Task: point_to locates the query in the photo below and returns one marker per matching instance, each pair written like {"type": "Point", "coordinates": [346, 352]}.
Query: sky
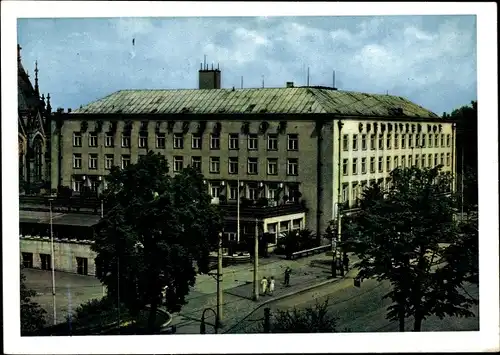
{"type": "Point", "coordinates": [431, 60]}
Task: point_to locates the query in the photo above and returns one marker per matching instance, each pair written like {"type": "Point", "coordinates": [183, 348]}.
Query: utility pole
{"type": "Point", "coordinates": [256, 263]}
{"type": "Point", "coordinates": [52, 261]}
{"type": "Point", "coordinates": [219, 282]}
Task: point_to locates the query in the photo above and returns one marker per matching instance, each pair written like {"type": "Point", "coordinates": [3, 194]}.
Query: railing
{"type": "Point", "coordinates": [68, 204]}
{"type": "Point", "coordinates": [307, 252]}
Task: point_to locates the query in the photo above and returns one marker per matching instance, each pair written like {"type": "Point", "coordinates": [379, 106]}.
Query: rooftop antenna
{"type": "Point", "coordinates": [217, 66]}
{"type": "Point", "coordinates": [262, 81]}
{"type": "Point", "coordinates": [212, 66]}
{"type": "Point", "coordinates": [333, 79]}
{"type": "Point", "coordinates": [205, 62]}
{"type": "Point", "coordinates": [307, 76]}
{"type": "Point", "coordinates": [242, 82]}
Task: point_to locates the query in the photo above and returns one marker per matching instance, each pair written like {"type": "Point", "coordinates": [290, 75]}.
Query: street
{"type": "Point", "coordinates": [359, 309]}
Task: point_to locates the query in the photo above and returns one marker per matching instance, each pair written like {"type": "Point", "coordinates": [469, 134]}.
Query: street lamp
{"type": "Point", "coordinates": [52, 260]}
{"type": "Point", "coordinates": [101, 189]}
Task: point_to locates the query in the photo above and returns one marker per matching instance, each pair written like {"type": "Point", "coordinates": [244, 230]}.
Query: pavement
{"type": "Point", "coordinates": [307, 273]}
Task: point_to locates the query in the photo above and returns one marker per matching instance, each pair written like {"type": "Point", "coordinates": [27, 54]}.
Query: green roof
{"type": "Point", "coordinates": [297, 100]}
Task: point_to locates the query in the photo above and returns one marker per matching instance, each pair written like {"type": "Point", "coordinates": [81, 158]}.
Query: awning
{"type": "Point", "coordinates": [66, 219]}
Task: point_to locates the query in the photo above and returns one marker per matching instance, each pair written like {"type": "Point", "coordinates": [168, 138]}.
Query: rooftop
{"type": "Point", "coordinates": [294, 100]}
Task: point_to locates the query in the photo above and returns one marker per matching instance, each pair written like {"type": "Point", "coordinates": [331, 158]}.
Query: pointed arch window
{"type": "Point", "coordinates": [38, 154]}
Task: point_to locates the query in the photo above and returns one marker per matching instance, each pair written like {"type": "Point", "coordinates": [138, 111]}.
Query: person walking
{"type": "Point", "coordinates": [263, 285]}
{"type": "Point", "coordinates": [287, 276]}
{"type": "Point", "coordinates": [271, 285]}
{"type": "Point", "coordinates": [346, 262]}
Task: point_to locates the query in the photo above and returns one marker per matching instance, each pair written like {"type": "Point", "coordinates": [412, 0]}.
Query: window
{"type": "Point", "coordinates": [214, 141]}
{"type": "Point", "coordinates": [77, 186]}
{"type": "Point", "coordinates": [381, 141]}
{"type": "Point", "coordinates": [345, 142]}
{"type": "Point", "coordinates": [77, 161]}
{"type": "Point", "coordinates": [231, 236]}
{"type": "Point", "coordinates": [215, 165]}
{"type": "Point", "coordinates": [396, 162]}
{"type": "Point", "coordinates": [429, 160]}
{"type": "Point", "coordinates": [284, 226]}
{"type": "Point", "coordinates": [252, 166]}
{"type": "Point", "coordinates": [396, 141]}
{"type": "Point", "coordinates": [272, 142]}
{"type": "Point", "coordinates": [436, 160]}
{"type": "Point", "coordinates": [436, 141]}
{"type": "Point", "coordinates": [272, 228]}
{"type": "Point", "coordinates": [27, 260]}
{"type": "Point", "coordinates": [363, 165]}
{"type": "Point", "coordinates": [252, 193]}
{"type": "Point", "coordinates": [233, 192]}
{"type": "Point", "coordinates": [125, 161]}
{"type": "Point", "coordinates": [233, 165]}
{"type": "Point", "coordinates": [417, 161]}
{"type": "Point", "coordinates": [45, 261]}
{"type": "Point", "coordinates": [92, 139]}
{"type": "Point", "coordinates": [403, 141]}
{"type": "Point", "coordinates": [82, 266]}
{"type": "Point", "coordinates": [448, 159]}
{"type": "Point", "coordinates": [215, 190]}
{"type": "Point", "coordinates": [442, 159]}
{"type": "Point", "coordinates": [448, 140]}
{"type": "Point", "coordinates": [108, 161]}
{"type": "Point", "coordinates": [423, 161]}
{"type": "Point", "coordinates": [293, 142]}
{"type": "Point", "coordinates": [388, 164]}
{"type": "Point", "coordinates": [403, 161]}
{"type": "Point", "coordinates": [442, 140]}
{"type": "Point", "coordinates": [410, 161]}
{"type": "Point", "coordinates": [252, 142]}
{"type": "Point", "coordinates": [272, 166]}
{"type": "Point", "coordinates": [195, 141]}
{"type": "Point", "coordinates": [110, 140]}
{"type": "Point", "coordinates": [410, 141]}
{"type": "Point", "coordinates": [372, 142]}
{"type": "Point", "coordinates": [292, 167]}
{"type": "Point", "coordinates": [178, 141]}
{"type": "Point", "coordinates": [143, 140]}
{"type": "Point", "coordinates": [77, 139]}
{"type": "Point", "coordinates": [196, 163]}
{"type": "Point", "coordinates": [297, 223]}
{"type": "Point", "coordinates": [380, 164]}
{"type": "Point", "coordinates": [430, 140]}
{"type": "Point", "coordinates": [271, 193]}
{"type": "Point", "coordinates": [293, 193]}
{"type": "Point", "coordinates": [234, 140]}
{"type": "Point", "coordinates": [345, 166]}
{"type": "Point", "coordinates": [125, 140]}
{"type": "Point", "coordinates": [417, 140]}
{"type": "Point", "coordinates": [372, 165]}
{"type": "Point", "coordinates": [363, 141]}
{"type": "Point", "coordinates": [423, 140]}
{"type": "Point", "coordinates": [355, 166]}
{"type": "Point", "coordinates": [354, 142]}
{"type": "Point", "coordinates": [93, 161]}
{"type": "Point", "coordinates": [178, 163]}
{"type": "Point", "coordinates": [160, 140]}
{"type": "Point", "coordinates": [345, 193]}
{"type": "Point", "coordinates": [389, 141]}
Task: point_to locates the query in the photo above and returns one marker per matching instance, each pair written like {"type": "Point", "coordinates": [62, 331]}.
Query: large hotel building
{"type": "Point", "coordinates": [290, 153]}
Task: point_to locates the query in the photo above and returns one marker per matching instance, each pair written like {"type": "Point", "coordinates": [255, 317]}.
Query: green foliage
{"type": "Point", "coordinates": [310, 320]}
{"type": "Point", "coordinates": [155, 228]}
{"type": "Point", "coordinates": [296, 240]}
{"type": "Point", "coordinates": [398, 234]}
{"type": "Point", "coordinates": [32, 315]}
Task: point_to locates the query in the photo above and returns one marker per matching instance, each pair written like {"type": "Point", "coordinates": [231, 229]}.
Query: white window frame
{"type": "Point", "coordinates": [215, 141]}
{"type": "Point", "coordinates": [272, 166]}
{"type": "Point", "coordinates": [234, 141]}
{"type": "Point", "coordinates": [389, 141]}
{"type": "Point", "coordinates": [403, 161]}
{"type": "Point", "coordinates": [233, 162]}
{"type": "Point", "coordinates": [372, 165]}
{"type": "Point", "coordinates": [448, 140]}
{"type": "Point", "coordinates": [160, 137]}
{"type": "Point", "coordinates": [126, 140]}
{"type": "Point", "coordinates": [388, 161]}
{"type": "Point", "coordinates": [299, 227]}
{"type": "Point", "coordinates": [195, 141]}
{"type": "Point", "coordinates": [178, 163]}
{"type": "Point", "coordinates": [363, 142]}
{"type": "Point", "coordinates": [252, 162]}
{"type": "Point", "coordinates": [178, 141]}
{"type": "Point", "coordinates": [93, 139]}
{"type": "Point", "coordinates": [396, 162]}
{"type": "Point", "coordinates": [109, 140]}
{"type": "Point", "coordinates": [214, 162]}
{"type": "Point", "coordinates": [196, 162]}
{"type": "Point", "coordinates": [253, 142]}
{"type": "Point", "coordinates": [77, 185]}
{"type": "Point", "coordinates": [380, 141]}
{"type": "Point", "coordinates": [380, 164]}
{"type": "Point", "coordinates": [272, 142]}
{"type": "Point", "coordinates": [292, 166]}
{"type": "Point", "coordinates": [215, 190]}
{"type": "Point", "coordinates": [93, 161]}
{"type": "Point", "coordinates": [77, 139]}
{"type": "Point", "coordinates": [396, 141]}
{"type": "Point", "coordinates": [109, 161]}
{"type": "Point", "coordinates": [345, 167]}
{"type": "Point", "coordinates": [345, 143]}
{"type": "Point", "coordinates": [442, 159]}
{"type": "Point", "coordinates": [77, 161]}
{"type": "Point", "coordinates": [125, 158]}
{"type": "Point", "coordinates": [373, 142]}
{"type": "Point", "coordinates": [354, 166]}
{"type": "Point", "coordinates": [293, 142]}
{"type": "Point", "coordinates": [252, 191]}
{"type": "Point", "coordinates": [354, 142]}
{"type": "Point", "coordinates": [403, 141]}
{"type": "Point", "coordinates": [363, 165]}
{"type": "Point", "coordinates": [233, 192]}
{"type": "Point", "coordinates": [271, 192]}
{"type": "Point", "coordinates": [143, 140]}
{"type": "Point", "coordinates": [448, 159]}
{"type": "Point", "coordinates": [436, 140]}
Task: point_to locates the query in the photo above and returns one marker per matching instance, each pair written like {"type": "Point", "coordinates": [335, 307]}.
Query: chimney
{"type": "Point", "coordinates": [289, 84]}
{"type": "Point", "coordinates": [209, 78]}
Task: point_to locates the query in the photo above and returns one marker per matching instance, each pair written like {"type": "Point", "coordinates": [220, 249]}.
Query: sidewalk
{"type": "Point", "coordinates": [307, 273]}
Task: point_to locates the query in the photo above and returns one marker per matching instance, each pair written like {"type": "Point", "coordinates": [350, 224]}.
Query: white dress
{"type": "Point", "coordinates": [271, 286]}
{"type": "Point", "coordinates": [263, 283]}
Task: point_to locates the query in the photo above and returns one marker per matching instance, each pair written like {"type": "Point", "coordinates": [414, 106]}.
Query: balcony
{"type": "Point", "coordinates": [261, 208]}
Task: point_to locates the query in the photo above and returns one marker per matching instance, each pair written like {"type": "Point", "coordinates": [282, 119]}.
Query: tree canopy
{"type": "Point", "coordinates": [156, 226]}
{"type": "Point", "coordinates": [32, 315]}
{"type": "Point", "coordinates": [399, 236]}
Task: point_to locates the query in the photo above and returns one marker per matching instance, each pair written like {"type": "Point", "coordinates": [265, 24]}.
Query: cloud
{"type": "Point", "coordinates": [424, 58]}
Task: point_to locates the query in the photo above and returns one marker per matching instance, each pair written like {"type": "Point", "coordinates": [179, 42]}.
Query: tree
{"type": "Point", "coordinates": [32, 315]}
{"type": "Point", "coordinates": [296, 240]}
{"type": "Point", "coordinates": [310, 320]}
{"type": "Point", "coordinates": [155, 229]}
{"type": "Point", "coordinates": [398, 236]}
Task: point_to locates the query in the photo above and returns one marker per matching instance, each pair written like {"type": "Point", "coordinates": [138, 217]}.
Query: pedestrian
{"type": "Point", "coordinates": [263, 284]}
{"type": "Point", "coordinates": [287, 276]}
{"type": "Point", "coordinates": [271, 285]}
{"type": "Point", "coordinates": [346, 262]}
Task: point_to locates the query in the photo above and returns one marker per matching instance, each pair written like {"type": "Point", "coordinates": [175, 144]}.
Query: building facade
{"type": "Point", "coordinates": [33, 132]}
{"type": "Point", "coordinates": [293, 153]}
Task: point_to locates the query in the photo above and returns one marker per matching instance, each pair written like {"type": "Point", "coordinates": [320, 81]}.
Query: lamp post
{"type": "Point", "coordinates": [256, 263]}
{"type": "Point", "coordinates": [52, 261]}
{"type": "Point", "coordinates": [101, 189]}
